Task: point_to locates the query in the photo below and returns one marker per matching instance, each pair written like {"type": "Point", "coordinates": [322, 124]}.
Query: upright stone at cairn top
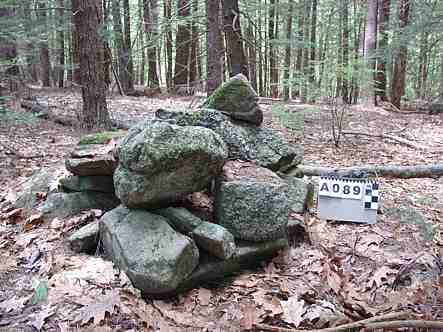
{"type": "Point", "coordinates": [237, 99]}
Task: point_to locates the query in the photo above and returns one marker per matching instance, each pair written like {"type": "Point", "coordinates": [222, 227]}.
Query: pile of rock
{"type": "Point", "coordinates": [163, 247]}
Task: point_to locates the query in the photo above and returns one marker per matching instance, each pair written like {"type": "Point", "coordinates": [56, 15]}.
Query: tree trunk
{"type": "Point", "coordinates": [61, 44]}
{"type": "Point", "coordinates": [299, 61]}
{"type": "Point", "coordinates": [122, 51]}
{"type": "Point", "coordinates": [193, 72]}
{"type": "Point", "coordinates": [233, 36]}
{"type": "Point", "coordinates": [273, 73]}
{"type": "Point", "coordinates": [370, 48]}
{"type": "Point", "coordinates": [286, 75]}
{"type": "Point", "coordinates": [150, 12]}
{"type": "Point", "coordinates": [88, 20]}
{"type": "Point", "coordinates": [128, 62]}
{"type": "Point", "coordinates": [345, 53]}
{"type": "Point", "coordinates": [422, 66]}
{"type": "Point", "coordinates": [261, 85]}
{"type": "Point", "coordinates": [252, 57]}
{"type": "Point", "coordinates": [400, 57]}
{"type": "Point", "coordinates": [441, 70]}
{"type": "Point", "coordinates": [182, 44]}
{"type": "Point", "coordinates": [108, 53]}
{"type": "Point", "coordinates": [214, 46]}
{"type": "Point", "coordinates": [313, 42]}
{"type": "Point", "coordinates": [75, 51]}
{"type": "Point", "coordinates": [380, 80]}
{"type": "Point", "coordinates": [45, 64]}
{"type": "Point", "coordinates": [8, 49]}
{"type": "Point", "coordinates": [168, 43]}
{"type": "Point", "coordinates": [141, 43]}
{"type": "Point", "coordinates": [306, 48]}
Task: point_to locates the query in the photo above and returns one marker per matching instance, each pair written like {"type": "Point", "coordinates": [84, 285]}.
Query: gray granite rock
{"type": "Point", "coordinates": [215, 239]}
{"type": "Point", "coordinates": [300, 192]}
{"type": "Point", "coordinates": [237, 99]}
{"type": "Point", "coordinates": [252, 203]}
{"type": "Point", "coordinates": [104, 164]}
{"type": "Point", "coordinates": [98, 183]}
{"type": "Point", "coordinates": [154, 256]}
{"type": "Point", "coordinates": [264, 146]}
{"type": "Point", "coordinates": [180, 218]}
{"type": "Point", "coordinates": [85, 239]}
{"type": "Point", "coordinates": [63, 205]}
{"type": "Point", "coordinates": [160, 163]}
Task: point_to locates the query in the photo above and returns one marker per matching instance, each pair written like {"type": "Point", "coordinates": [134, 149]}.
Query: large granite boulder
{"type": "Point", "coordinates": [264, 146]}
{"type": "Point", "coordinates": [301, 193]}
{"type": "Point", "coordinates": [160, 163]}
{"type": "Point", "coordinates": [252, 202]}
{"type": "Point", "coordinates": [154, 256]}
{"type": "Point", "coordinates": [86, 239]}
{"type": "Point", "coordinates": [237, 99]}
{"type": "Point", "coordinates": [63, 205]}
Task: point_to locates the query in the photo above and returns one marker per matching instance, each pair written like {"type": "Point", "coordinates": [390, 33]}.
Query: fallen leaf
{"type": "Point", "coordinates": [12, 216]}
{"type": "Point", "coordinates": [269, 303]}
{"type": "Point", "coordinates": [97, 311]}
{"type": "Point", "coordinates": [381, 276]}
{"type": "Point", "coordinates": [293, 310]}
{"type": "Point", "coordinates": [13, 303]}
{"type": "Point", "coordinates": [250, 317]}
{"type": "Point", "coordinates": [39, 319]}
{"type": "Point", "coordinates": [33, 221]}
{"type": "Point", "coordinates": [204, 296]}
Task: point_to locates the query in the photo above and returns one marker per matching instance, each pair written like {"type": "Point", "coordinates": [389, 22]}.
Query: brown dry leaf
{"type": "Point", "coordinates": [39, 319]}
{"type": "Point", "coordinates": [268, 303]}
{"type": "Point", "coordinates": [41, 195]}
{"type": "Point", "coordinates": [250, 317]}
{"type": "Point", "coordinates": [332, 278]}
{"type": "Point", "coordinates": [13, 303]}
{"type": "Point", "coordinates": [381, 276]}
{"type": "Point", "coordinates": [293, 310]}
{"type": "Point", "coordinates": [97, 311]}
{"type": "Point", "coordinates": [245, 280]}
{"type": "Point", "coordinates": [204, 296]}
{"type": "Point", "coordinates": [33, 221]}
{"type": "Point", "coordinates": [12, 216]}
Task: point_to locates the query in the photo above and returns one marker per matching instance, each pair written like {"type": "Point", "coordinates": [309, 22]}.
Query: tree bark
{"type": "Point", "coordinates": [61, 45]}
{"type": "Point", "coordinates": [141, 43]}
{"type": "Point", "coordinates": [168, 43]}
{"type": "Point", "coordinates": [306, 48]}
{"type": "Point", "coordinates": [88, 18]}
{"type": "Point", "coordinates": [75, 50]}
{"type": "Point", "coordinates": [273, 72]}
{"type": "Point", "coordinates": [441, 70]}
{"type": "Point", "coordinates": [400, 57]}
{"type": "Point", "coordinates": [45, 64]}
{"type": "Point", "coordinates": [370, 48]}
{"type": "Point", "coordinates": [380, 80]}
{"type": "Point", "coordinates": [150, 12]}
{"type": "Point", "coordinates": [128, 61]}
{"type": "Point", "coordinates": [182, 44]}
{"type": "Point", "coordinates": [214, 46]}
{"type": "Point", "coordinates": [345, 52]}
{"type": "Point", "coordinates": [252, 56]}
{"type": "Point", "coordinates": [313, 45]}
{"type": "Point", "coordinates": [233, 36]}
{"type": "Point", "coordinates": [108, 53]}
{"type": "Point", "coordinates": [193, 71]}
{"type": "Point", "coordinates": [286, 75]}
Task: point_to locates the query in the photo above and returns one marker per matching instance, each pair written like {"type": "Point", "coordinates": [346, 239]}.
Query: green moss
{"type": "Point", "coordinates": [100, 138]}
{"type": "Point", "coordinates": [233, 87]}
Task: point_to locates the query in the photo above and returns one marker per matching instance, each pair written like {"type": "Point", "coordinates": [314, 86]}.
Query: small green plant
{"type": "Point", "coordinates": [100, 138]}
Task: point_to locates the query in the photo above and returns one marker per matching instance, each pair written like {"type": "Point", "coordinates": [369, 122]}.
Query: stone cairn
{"type": "Point", "coordinates": [142, 181]}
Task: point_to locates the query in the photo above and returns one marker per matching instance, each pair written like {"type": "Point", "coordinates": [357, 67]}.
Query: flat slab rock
{"type": "Point", "coordinates": [86, 239]}
{"type": "Point", "coordinates": [266, 147]}
{"type": "Point", "coordinates": [99, 183]}
{"type": "Point", "coordinates": [252, 202]}
{"type": "Point", "coordinates": [246, 255]}
{"type": "Point", "coordinates": [63, 205]}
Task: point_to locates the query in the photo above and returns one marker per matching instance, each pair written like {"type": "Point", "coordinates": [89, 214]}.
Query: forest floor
{"type": "Point", "coordinates": [339, 272]}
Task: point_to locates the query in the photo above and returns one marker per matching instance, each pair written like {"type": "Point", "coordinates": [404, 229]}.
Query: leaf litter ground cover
{"type": "Point", "coordinates": [341, 272]}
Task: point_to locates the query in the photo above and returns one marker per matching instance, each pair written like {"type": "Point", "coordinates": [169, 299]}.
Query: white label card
{"type": "Point", "coordinates": [341, 188]}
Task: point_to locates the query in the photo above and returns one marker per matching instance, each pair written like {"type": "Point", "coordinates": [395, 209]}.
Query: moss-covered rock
{"type": "Point", "coordinates": [160, 163]}
{"type": "Point", "coordinates": [237, 99]}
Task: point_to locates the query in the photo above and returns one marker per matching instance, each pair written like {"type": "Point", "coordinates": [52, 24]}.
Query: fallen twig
{"type": "Point", "coordinates": [398, 172]}
{"type": "Point", "coordinates": [377, 322]}
{"type": "Point", "coordinates": [391, 137]}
